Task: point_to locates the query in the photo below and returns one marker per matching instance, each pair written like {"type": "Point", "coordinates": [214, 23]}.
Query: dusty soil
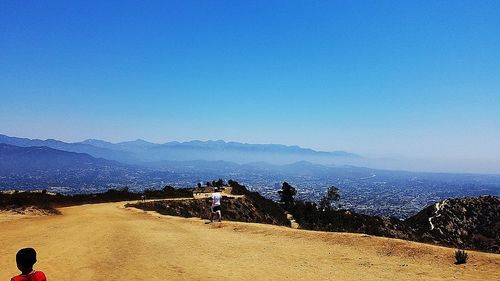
{"type": "Point", "coordinates": [110, 242]}
{"type": "Point", "coordinates": [24, 212]}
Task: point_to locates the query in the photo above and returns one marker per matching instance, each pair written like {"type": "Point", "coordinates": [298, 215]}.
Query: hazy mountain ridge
{"type": "Point", "coordinates": [36, 167]}
{"type": "Point", "coordinates": [138, 151]}
{"type": "Point", "coordinates": [222, 168]}
{"type": "Point", "coordinates": [50, 161]}
{"type": "Point", "coordinates": [17, 159]}
{"type": "Point", "coordinates": [98, 152]}
{"type": "Point", "coordinates": [243, 153]}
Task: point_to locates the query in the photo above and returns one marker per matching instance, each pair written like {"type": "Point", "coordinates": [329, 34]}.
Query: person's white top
{"type": "Point", "coordinates": [216, 199]}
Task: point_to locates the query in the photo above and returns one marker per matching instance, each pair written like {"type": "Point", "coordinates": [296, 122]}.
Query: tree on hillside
{"type": "Point", "coordinates": [286, 195]}
{"type": "Point", "coordinates": [219, 183]}
{"type": "Point", "coordinates": [236, 188]}
{"type": "Point", "coordinates": [332, 196]}
{"type": "Point", "coordinates": [168, 188]}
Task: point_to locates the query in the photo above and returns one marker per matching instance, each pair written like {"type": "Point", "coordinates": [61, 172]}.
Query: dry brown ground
{"type": "Point", "coordinates": [109, 242]}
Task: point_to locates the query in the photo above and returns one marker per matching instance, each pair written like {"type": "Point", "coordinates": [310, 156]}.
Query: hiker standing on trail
{"type": "Point", "coordinates": [216, 198]}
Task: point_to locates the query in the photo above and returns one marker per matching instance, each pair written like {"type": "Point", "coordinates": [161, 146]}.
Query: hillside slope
{"type": "Point", "coordinates": [235, 209]}
{"type": "Point", "coordinates": [460, 222]}
{"type": "Point", "coordinates": [107, 241]}
{"type": "Point", "coordinates": [467, 223]}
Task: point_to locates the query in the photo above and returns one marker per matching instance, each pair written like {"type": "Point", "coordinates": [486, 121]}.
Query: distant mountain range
{"type": "Point", "coordinates": [43, 166]}
{"type": "Point", "coordinates": [21, 159]}
{"type": "Point", "coordinates": [92, 150]}
{"type": "Point", "coordinates": [16, 159]}
{"type": "Point", "coordinates": [140, 151]}
{"type": "Point", "coordinates": [367, 190]}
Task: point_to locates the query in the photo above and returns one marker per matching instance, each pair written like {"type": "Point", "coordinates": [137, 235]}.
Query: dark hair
{"type": "Point", "coordinates": [26, 257]}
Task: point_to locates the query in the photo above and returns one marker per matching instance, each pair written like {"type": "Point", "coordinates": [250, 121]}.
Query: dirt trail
{"type": "Point", "coordinates": [109, 242]}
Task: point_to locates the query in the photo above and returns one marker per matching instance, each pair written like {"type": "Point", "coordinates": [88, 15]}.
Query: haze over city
{"type": "Point", "coordinates": [412, 82]}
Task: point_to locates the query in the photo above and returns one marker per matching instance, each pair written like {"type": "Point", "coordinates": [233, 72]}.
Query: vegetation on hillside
{"type": "Point", "coordinates": [44, 200]}
{"type": "Point", "coordinates": [470, 223]}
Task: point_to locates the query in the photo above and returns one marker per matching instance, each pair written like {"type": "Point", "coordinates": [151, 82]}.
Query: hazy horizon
{"type": "Point", "coordinates": [387, 162]}
{"type": "Point", "coordinates": [412, 80]}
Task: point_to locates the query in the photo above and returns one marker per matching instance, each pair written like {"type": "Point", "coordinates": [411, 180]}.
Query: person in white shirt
{"type": "Point", "coordinates": [216, 198]}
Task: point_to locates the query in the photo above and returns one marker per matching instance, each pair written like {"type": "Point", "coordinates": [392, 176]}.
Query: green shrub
{"type": "Point", "coordinates": [461, 257]}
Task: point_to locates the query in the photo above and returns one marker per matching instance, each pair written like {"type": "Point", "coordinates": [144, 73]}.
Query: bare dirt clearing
{"type": "Point", "coordinates": [108, 241]}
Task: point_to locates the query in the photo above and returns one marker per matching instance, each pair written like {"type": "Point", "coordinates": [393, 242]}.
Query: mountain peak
{"type": "Point", "coordinates": [90, 141]}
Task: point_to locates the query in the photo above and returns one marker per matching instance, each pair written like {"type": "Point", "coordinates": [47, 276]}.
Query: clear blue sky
{"type": "Point", "coordinates": [413, 78]}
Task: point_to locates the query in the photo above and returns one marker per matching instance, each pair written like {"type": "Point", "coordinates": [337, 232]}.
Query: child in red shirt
{"type": "Point", "coordinates": [25, 260]}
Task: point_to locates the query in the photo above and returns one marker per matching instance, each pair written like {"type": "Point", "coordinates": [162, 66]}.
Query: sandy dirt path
{"type": "Point", "coordinates": [110, 242]}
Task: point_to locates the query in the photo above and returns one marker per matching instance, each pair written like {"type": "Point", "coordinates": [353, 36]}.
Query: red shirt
{"type": "Point", "coordinates": [34, 276]}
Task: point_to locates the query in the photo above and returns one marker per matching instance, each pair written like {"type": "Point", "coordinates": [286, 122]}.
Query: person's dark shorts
{"type": "Point", "coordinates": [215, 208]}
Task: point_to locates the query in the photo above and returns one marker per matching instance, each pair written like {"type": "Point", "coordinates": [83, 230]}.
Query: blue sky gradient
{"type": "Point", "coordinates": [419, 79]}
